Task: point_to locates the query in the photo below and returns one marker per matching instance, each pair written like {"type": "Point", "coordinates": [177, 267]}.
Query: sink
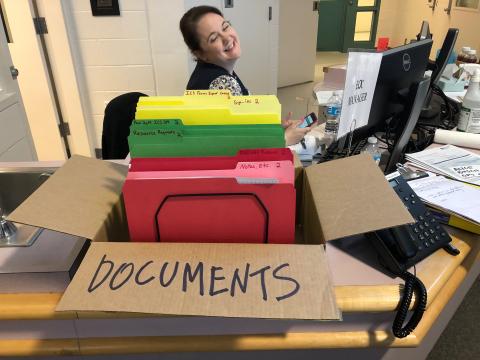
{"type": "Point", "coordinates": [16, 185]}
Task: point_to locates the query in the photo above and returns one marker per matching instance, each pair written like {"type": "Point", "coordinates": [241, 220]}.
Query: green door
{"type": "Point", "coordinates": [331, 25]}
{"type": "Point", "coordinates": [344, 24]}
{"type": "Point", "coordinates": [361, 20]}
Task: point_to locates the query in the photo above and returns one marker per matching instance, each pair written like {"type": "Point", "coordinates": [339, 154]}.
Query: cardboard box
{"type": "Point", "coordinates": [335, 74]}
{"type": "Point", "coordinates": [340, 198]}
{"type": "Point", "coordinates": [333, 80]}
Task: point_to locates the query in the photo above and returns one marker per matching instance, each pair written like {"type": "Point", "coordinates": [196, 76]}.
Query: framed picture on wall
{"type": "Point", "coordinates": [105, 7]}
{"type": "Point", "coordinates": [471, 5]}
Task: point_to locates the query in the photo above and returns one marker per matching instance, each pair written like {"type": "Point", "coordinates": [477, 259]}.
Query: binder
{"type": "Point", "coordinates": [455, 221]}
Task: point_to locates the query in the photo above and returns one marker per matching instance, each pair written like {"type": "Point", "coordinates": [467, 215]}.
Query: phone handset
{"type": "Point", "coordinates": [401, 247]}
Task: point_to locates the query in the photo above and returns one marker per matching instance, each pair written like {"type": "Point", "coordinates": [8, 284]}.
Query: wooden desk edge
{"type": "Point", "coordinates": [292, 341]}
{"type": "Point", "coordinates": [350, 299]}
{"type": "Point", "coordinates": [160, 344]}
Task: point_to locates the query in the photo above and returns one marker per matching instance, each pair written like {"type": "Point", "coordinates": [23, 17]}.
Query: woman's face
{"type": "Point", "coordinates": [219, 41]}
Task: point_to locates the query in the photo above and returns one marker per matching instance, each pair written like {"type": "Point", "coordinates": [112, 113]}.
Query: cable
{"type": "Point", "coordinates": [412, 284]}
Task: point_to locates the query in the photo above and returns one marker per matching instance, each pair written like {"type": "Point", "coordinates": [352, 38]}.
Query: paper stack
{"type": "Point", "coordinates": [454, 203]}
{"type": "Point", "coordinates": [209, 167]}
{"type": "Point", "coordinates": [449, 160]}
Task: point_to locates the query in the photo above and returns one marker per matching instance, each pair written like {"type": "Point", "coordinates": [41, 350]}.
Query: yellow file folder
{"type": "Point", "coordinates": [211, 108]}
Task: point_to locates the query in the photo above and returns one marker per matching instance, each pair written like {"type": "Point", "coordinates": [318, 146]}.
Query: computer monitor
{"type": "Point", "coordinates": [398, 91]}
{"type": "Point", "coordinates": [432, 109]}
{"type": "Point", "coordinates": [424, 31]}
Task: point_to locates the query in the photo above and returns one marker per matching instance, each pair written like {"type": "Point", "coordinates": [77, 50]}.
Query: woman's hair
{"type": "Point", "coordinates": [188, 24]}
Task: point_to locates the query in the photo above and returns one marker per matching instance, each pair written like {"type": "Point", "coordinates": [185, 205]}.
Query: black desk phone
{"type": "Point", "coordinates": [401, 247]}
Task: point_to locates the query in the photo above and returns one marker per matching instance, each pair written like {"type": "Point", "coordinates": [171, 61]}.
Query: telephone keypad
{"type": "Point", "coordinates": [426, 232]}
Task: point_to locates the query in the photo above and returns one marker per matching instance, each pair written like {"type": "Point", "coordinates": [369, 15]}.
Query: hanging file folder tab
{"type": "Point", "coordinates": [211, 162]}
{"type": "Point", "coordinates": [222, 93]}
{"type": "Point", "coordinates": [211, 108]}
{"type": "Point", "coordinates": [246, 181]}
{"type": "Point", "coordinates": [281, 171]}
{"type": "Point", "coordinates": [157, 122]}
{"type": "Point", "coordinates": [139, 133]}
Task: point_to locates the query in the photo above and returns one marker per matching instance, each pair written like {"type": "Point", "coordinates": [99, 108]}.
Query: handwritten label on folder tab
{"type": "Point", "coordinates": [360, 82]}
{"type": "Point", "coordinates": [231, 280]}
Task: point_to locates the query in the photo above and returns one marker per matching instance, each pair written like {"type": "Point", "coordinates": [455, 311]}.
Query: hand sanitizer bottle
{"type": "Point", "coordinates": [469, 119]}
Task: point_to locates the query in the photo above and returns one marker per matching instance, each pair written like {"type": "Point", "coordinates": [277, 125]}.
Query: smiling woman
{"type": "Point", "coordinates": [216, 46]}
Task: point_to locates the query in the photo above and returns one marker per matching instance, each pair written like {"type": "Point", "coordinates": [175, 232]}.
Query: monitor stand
{"type": "Point", "coordinates": [418, 93]}
{"type": "Point", "coordinates": [432, 107]}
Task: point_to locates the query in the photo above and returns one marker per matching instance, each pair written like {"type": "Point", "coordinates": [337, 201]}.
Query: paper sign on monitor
{"type": "Point", "coordinates": [361, 79]}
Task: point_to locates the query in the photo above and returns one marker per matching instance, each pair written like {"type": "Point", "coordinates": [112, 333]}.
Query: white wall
{"type": "Point", "coordinates": [298, 27]}
{"type": "Point", "coordinates": [95, 59]}
{"type": "Point", "coordinates": [33, 81]}
{"type": "Point", "coordinates": [401, 20]}
{"type": "Point", "coordinates": [63, 69]}
{"type": "Point", "coordinates": [112, 56]}
{"type": "Point", "coordinates": [169, 53]}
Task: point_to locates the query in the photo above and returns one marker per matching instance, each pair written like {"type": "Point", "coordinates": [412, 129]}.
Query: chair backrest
{"type": "Point", "coordinates": [119, 114]}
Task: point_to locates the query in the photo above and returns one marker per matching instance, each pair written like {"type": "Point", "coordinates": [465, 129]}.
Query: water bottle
{"type": "Point", "coordinates": [373, 149]}
{"type": "Point", "coordinates": [333, 109]}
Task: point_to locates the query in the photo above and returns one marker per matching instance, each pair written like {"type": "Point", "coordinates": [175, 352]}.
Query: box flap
{"type": "Point", "coordinates": [230, 280]}
{"type": "Point", "coordinates": [76, 199]}
{"type": "Point", "coordinates": [351, 196]}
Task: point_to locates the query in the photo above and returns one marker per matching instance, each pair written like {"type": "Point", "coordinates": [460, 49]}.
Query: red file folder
{"type": "Point", "coordinates": [210, 162]}
{"type": "Point", "coordinates": [223, 209]}
{"type": "Point", "coordinates": [247, 172]}
{"type": "Point", "coordinates": [209, 210]}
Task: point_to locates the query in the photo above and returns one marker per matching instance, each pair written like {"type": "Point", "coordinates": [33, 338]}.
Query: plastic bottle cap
{"type": "Point", "coordinates": [372, 140]}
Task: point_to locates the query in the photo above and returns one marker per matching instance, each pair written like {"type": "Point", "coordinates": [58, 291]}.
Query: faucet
{"type": "Point", "coordinates": [7, 228]}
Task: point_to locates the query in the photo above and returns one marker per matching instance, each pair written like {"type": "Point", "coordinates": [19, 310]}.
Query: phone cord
{"type": "Point", "coordinates": [412, 283]}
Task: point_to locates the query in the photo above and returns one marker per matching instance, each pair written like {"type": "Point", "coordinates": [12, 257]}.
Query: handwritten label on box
{"type": "Point", "coordinates": [231, 280]}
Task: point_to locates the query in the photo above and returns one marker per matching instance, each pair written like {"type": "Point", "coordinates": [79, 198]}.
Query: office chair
{"type": "Point", "coordinates": [119, 114]}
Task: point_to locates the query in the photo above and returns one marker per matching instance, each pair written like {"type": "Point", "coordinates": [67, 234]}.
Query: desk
{"type": "Point", "coordinates": [30, 326]}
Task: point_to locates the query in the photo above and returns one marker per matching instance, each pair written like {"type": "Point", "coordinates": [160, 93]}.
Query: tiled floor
{"type": "Point", "coordinates": [299, 99]}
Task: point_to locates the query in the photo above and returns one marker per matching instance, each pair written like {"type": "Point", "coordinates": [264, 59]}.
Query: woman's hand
{"type": "Point", "coordinates": [288, 121]}
{"type": "Point", "coordinates": [293, 134]}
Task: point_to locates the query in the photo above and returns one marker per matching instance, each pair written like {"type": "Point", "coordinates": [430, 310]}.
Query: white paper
{"type": "Point", "coordinates": [360, 82]}
{"type": "Point", "coordinates": [450, 195]}
{"type": "Point", "coordinates": [311, 147]}
{"type": "Point", "coordinates": [456, 95]}
{"type": "Point", "coordinates": [458, 138]}
{"type": "Point", "coordinates": [451, 161]}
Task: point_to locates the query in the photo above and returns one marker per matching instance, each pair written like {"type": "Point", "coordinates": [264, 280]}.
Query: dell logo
{"type": "Point", "coordinates": [407, 62]}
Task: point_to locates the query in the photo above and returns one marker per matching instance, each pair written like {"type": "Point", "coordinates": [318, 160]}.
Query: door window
{"type": "Point", "coordinates": [363, 26]}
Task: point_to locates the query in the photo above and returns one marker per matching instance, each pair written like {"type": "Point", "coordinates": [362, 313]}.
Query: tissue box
{"type": "Point", "coordinates": [451, 85]}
